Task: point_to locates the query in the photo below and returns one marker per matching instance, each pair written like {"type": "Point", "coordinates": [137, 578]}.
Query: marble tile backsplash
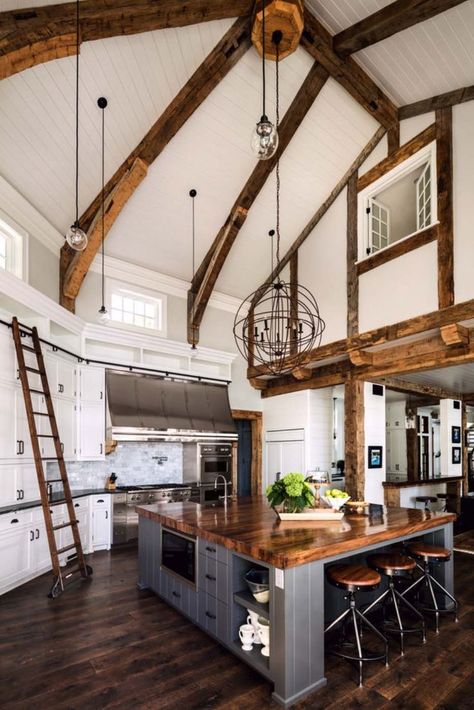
{"type": "Point", "coordinates": [135, 463]}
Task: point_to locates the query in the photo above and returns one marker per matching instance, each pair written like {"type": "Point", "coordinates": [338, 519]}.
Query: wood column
{"type": "Point", "coordinates": [444, 167]}
{"type": "Point", "coordinates": [354, 438]}
{"type": "Point", "coordinates": [412, 448]}
{"type": "Point", "coordinates": [393, 138]}
{"type": "Point", "coordinates": [465, 461]}
{"type": "Point", "coordinates": [256, 419]}
{"type": "Point", "coordinates": [352, 276]}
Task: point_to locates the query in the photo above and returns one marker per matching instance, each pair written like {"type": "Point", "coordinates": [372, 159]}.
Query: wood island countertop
{"type": "Point", "coordinates": [425, 482]}
{"type": "Point", "coordinates": [250, 526]}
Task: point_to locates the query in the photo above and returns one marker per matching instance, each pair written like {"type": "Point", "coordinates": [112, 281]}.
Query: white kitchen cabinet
{"type": "Point", "coordinates": [24, 449]}
{"type": "Point", "coordinates": [8, 446]}
{"type": "Point", "coordinates": [9, 492]}
{"type": "Point", "coordinates": [284, 453]}
{"type": "Point", "coordinates": [101, 522]}
{"type": "Point", "coordinates": [7, 357]}
{"type": "Point", "coordinates": [18, 484]}
{"type": "Point", "coordinates": [61, 376]}
{"type": "Point", "coordinates": [27, 482]}
{"type": "Point", "coordinates": [67, 426]}
{"type": "Point", "coordinates": [92, 384]}
{"type": "Point", "coordinates": [15, 552]}
{"type": "Point", "coordinates": [91, 431]}
{"type": "Point", "coordinates": [40, 559]}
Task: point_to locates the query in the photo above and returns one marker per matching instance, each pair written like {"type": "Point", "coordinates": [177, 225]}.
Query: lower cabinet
{"type": "Point", "coordinates": [101, 522]}
{"type": "Point", "coordinates": [18, 484]}
{"type": "Point", "coordinates": [179, 594]}
{"type": "Point", "coordinates": [213, 615]}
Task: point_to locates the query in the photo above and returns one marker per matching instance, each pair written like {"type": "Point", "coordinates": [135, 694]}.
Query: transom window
{"type": "Point", "coordinates": [13, 242]}
{"type": "Point", "coordinates": [137, 310]}
{"type": "Point", "coordinates": [3, 252]}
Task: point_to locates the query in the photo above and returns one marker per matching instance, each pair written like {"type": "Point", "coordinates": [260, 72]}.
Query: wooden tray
{"type": "Point", "coordinates": [315, 514]}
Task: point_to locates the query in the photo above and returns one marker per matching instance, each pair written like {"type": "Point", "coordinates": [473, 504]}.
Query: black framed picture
{"type": "Point", "coordinates": [455, 434]}
{"type": "Point", "coordinates": [375, 456]}
{"type": "Point", "coordinates": [456, 454]}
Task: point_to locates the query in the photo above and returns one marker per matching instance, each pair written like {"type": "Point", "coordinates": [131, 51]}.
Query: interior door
{"type": "Point", "coordinates": [244, 457]}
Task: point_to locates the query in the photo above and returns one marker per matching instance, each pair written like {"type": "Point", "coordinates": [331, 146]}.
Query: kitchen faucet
{"type": "Point", "coordinates": [225, 486]}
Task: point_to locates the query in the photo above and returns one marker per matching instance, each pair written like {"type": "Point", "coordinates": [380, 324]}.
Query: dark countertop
{"type": "Point", "coordinates": [429, 482]}
{"type": "Point", "coordinates": [250, 526]}
{"type": "Point", "coordinates": [79, 493]}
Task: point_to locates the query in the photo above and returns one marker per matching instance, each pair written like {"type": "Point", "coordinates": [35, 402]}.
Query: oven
{"type": "Point", "coordinates": [214, 460]}
{"type": "Point", "coordinates": [209, 493]}
{"type": "Point", "coordinates": [178, 555]}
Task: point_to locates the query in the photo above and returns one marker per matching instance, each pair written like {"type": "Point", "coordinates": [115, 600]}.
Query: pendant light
{"type": "Point", "coordinates": [192, 195]}
{"type": "Point", "coordinates": [75, 236]}
{"type": "Point", "coordinates": [103, 316]}
{"type": "Point", "coordinates": [265, 136]}
{"type": "Point", "coordinates": [279, 323]}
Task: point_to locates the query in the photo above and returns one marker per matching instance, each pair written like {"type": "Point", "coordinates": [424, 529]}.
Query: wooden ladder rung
{"type": "Point", "coordinates": [65, 525]}
{"type": "Point", "coordinates": [42, 414]}
{"type": "Point", "coordinates": [47, 436]}
{"type": "Point", "coordinates": [34, 369]}
{"type": "Point", "coordinates": [29, 348]}
{"type": "Point", "coordinates": [56, 502]}
{"type": "Point", "coordinates": [65, 549]}
{"type": "Point", "coordinates": [55, 480]}
{"type": "Point", "coordinates": [36, 391]}
{"type": "Point", "coordinates": [49, 458]}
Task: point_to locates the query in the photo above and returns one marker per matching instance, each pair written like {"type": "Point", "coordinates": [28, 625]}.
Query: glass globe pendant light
{"type": "Point", "coordinates": [75, 236]}
{"type": "Point", "coordinates": [103, 315]}
{"type": "Point", "coordinates": [265, 136]}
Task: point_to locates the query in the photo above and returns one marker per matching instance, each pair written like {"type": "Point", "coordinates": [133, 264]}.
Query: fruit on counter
{"type": "Point", "coordinates": [336, 493]}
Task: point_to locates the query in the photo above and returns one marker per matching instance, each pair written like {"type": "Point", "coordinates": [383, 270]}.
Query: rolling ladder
{"type": "Point", "coordinates": [62, 575]}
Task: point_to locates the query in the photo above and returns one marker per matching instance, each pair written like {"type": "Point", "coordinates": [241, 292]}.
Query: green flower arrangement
{"type": "Point", "coordinates": [291, 491]}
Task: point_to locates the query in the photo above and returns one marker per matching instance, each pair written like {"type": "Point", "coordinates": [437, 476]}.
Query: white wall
{"type": "Point", "coordinates": [449, 417]}
{"type": "Point", "coordinates": [463, 166]}
{"type": "Point", "coordinates": [374, 428]}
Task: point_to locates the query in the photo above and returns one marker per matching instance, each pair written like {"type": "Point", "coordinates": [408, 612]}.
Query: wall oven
{"type": "Point", "coordinates": [214, 460]}
{"type": "Point", "coordinates": [178, 555]}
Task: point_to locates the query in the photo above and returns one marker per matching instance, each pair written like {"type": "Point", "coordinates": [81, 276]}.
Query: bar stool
{"type": "Point", "coordinates": [426, 500]}
{"type": "Point", "coordinates": [352, 579]}
{"type": "Point", "coordinates": [427, 555]}
{"type": "Point", "coordinates": [392, 566]}
{"type": "Point", "coordinates": [446, 497]}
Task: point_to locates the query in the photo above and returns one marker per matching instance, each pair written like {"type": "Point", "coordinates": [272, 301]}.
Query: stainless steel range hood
{"type": "Point", "coordinates": [150, 408]}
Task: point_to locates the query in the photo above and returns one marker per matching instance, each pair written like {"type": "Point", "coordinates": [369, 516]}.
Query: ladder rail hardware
{"type": "Point", "coordinates": [61, 574]}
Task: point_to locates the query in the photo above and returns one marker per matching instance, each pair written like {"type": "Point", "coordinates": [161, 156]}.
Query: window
{"type": "Point", "coordinates": [12, 247]}
{"type": "Point", "coordinates": [136, 309]}
{"type": "Point", "coordinates": [399, 204]}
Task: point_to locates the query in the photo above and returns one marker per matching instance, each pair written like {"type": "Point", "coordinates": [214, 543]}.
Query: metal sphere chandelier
{"type": "Point", "coordinates": [278, 324]}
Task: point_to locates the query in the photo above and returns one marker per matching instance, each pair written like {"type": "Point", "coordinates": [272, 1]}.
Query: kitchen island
{"type": "Point", "coordinates": [225, 542]}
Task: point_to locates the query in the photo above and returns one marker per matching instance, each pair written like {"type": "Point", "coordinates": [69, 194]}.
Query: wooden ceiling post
{"type": "Point", "coordinates": [354, 437]}
{"type": "Point", "coordinates": [393, 138]}
{"type": "Point", "coordinates": [444, 170]}
{"type": "Point", "coordinates": [207, 274]}
{"type": "Point", "coordinates": [217, 64]}
{"type": "Point", "coordinates": [412, 446]}
{"type": "Point", "coordinates": [386, 22]}
{"type": "Point", "coordinates": [352, 257]}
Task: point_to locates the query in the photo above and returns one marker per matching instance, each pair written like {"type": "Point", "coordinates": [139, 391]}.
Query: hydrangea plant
{"type": "Point", "coordinates": [291, 491]}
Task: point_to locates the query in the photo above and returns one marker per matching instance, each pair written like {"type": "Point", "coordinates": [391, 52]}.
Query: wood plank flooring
{"type": "Point", "coordinates": [104, 644]}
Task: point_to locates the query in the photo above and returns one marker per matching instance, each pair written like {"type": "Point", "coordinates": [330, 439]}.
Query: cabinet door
{"type": "Point", "coordinates": [9, 488]}
{"type": "Point", "coordinates": [92, 431]}
{"type": "Point", "coordinates": [51, 366]}
{"type": "Point", "coordinates": [92, 384]}
{"type": "Point", "coordinates": [27, 480]}
{"type": "Point", "coordinates": [8, 365]}
{"type": "Point", "coordinates": [292, 457]}
{"type": "Point", "coordinates": [14, 556]}
{"type": "Point", "coordinates": [40, 554]}
{"type": "Point", "coordinates": [8, 447]}
{"type": "Point", "coordinates": [82, 513]}
{"type": "Point", "coordinates": [101, 528]}
{"type": "Point", "coordinates": [66, 379]}
{"type": "Point", "coordinates": [24, 449]}
{"type": "Point", "coordinates": [67, 426]}
{"type": "Point", "coordinates": [274, 463]}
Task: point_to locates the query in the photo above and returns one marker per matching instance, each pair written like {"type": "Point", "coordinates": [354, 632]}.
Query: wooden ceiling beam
{"type": "Point", "coordinates": [217, 64]}
{"type": "Point", "coordinates": [318, 42]}
{"type": "Point", "coordinates": [455, 334]}
{"type": "Point", "coordinates": [398, 384]}
{"type": "Point", "coordinates": [451, 98]}
{"type": "Point", "coordinates": [387, 21]}
{"type": "Point", "coordinates": [40, 34]}
{"type": "Point", "coordinates": [208, 272]}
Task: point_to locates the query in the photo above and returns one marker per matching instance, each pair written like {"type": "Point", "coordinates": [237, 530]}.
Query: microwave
{"type": "Point", "coordinates": [178, 555]}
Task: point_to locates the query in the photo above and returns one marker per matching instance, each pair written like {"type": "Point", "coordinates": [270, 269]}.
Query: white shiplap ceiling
{"type": "Point", "coordinates": [459, 378]}
{"type": "Point", "coordinates": [140, 75]}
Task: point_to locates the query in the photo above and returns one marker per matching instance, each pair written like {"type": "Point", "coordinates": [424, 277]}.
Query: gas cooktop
{"type": "Point", "coordinates": [152, 487]}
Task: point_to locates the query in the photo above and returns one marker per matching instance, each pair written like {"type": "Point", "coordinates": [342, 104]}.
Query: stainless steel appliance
{"type": "Point", "coordinates": [209, 492]}
{"type": "Point", "coordinates": [125, 518]}
{"type": "Point", "coordinates": [178, 555]}
{"type": "Point", "coordinates": [203, 461]}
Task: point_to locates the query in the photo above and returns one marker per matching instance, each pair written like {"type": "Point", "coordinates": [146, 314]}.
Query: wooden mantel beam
{"type": "Point", "coordinates": [39, 34]}
{"type": "Point", "coordinates": [217, 64]}
{"type": "Point", "coordinates": [387, 21]}
{"type": "Point", "coordinates": [210, 268]}
{"type": "Point", "coordinates": [319, 43]}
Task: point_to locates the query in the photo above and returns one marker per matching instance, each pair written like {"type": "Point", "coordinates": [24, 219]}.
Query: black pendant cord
{"type": "Point", "coordinates": [192, 194]}
{"type": "Point", "coordinates": [277, 75]}
{"type": "Point", "coordinates": [103, 208]}
{"type": "Point", "coordinates": [263, 58]}
{"type": "Point", "coordinates": [77, 113]}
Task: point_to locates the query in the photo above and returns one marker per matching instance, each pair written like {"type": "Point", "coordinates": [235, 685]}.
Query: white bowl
{"type": "Point", "coordinates": [335, 503]}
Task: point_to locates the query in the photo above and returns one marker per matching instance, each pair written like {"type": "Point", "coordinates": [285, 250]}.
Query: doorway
{"type": "Point", "coordinates": [247, 475]}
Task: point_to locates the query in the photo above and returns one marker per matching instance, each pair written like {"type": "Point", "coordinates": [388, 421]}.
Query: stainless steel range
{"type": "Point", "coordinates": [125, 519]}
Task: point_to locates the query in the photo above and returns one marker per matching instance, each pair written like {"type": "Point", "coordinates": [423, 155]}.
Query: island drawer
{"type": "Point", "coordinates": [213, 616]}
{"type": "Point", "coordinates": [213, 551]}
{"type": "Point", "coordinates": [181, 595]}
{"type": "Point", "coordinates": [212, 577]}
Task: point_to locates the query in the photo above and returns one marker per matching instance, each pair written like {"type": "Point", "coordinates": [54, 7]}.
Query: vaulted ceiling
{"type": "Point", "coordinates": [140, 75]}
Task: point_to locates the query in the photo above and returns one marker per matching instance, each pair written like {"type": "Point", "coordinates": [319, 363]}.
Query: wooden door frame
{"type": "Point", "coordinates": [256, 420]}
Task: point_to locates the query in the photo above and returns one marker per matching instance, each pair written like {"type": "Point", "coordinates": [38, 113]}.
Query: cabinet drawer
{"type": "Point", "coordinates": [213, 615]}
{"type": "Point", "coordinates": [212, 577]}
{"type": "Point", "coordinates": [102, 500]}
{"type": "Point", "coordinates": [213, 551]}
{"type": "Point", "coordinates": [14, 520]}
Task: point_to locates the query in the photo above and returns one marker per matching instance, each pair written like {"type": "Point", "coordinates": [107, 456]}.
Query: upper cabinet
{"type": "Point", "coordinates": [91, 413]}
{"type": "Point", "coordinates": [62, 376]}
{"type": "Point", "coordinates": [92, 384]}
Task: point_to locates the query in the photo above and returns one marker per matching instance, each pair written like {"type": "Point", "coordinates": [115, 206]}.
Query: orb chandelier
{"type": "Point", "coordinates": [75, 236]}
{"type": "Point", "coordinates": [278, 324]}
{"type": "Point", "coordinates": [265, 136]}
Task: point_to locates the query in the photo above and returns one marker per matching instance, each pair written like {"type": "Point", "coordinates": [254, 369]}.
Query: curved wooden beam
{"type": "Point", "coordinates": [73, 266]}
{"type": "Point", "coordinates": [207, 274]}
{"type": "Point", "coordinates": [40, 34]}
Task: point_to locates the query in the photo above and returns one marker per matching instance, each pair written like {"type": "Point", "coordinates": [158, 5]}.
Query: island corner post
{"type": "Point", "coordinates": [229, 541]}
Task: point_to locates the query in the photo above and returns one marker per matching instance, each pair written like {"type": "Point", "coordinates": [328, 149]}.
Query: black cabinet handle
{"type": "Point", "coordinates": [101, 395]}
{"type": "Point", "coordinates": [22, 494]}
{"type": "Point", "coordinates": [37, 533]}
{"type": "Point", "coordinates": [210, 549]}
{"type": "Point", "coordinates": [77, 505]}
{"type": "Point", "coordinates": [175, 594]}
{"type": "Point", "coordinates": [106, 514]}
{"type": "Point", "coordinates": [101, 448]}
{"type": "Point", "coordinates": [22, 447]}
{"type": "Point", "coordinates": [209, 576]}
{"type": "Point", "coordinates": [17, 494]}
{"type": "Point", "coordinates": [101, 500]}
{"type": "Point", "coordinates": [15, 520]}
{"type": "Point", "coordinates": [210, 616]}
{"type": "Point", "coordinates": [32, 536]}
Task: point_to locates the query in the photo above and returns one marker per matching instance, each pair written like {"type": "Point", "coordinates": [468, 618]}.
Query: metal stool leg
{"type": "Point", "coordinates": [376, 631]}
{"type": "Point", "coordinates": [445, 591]}
{"type": "Point", "coordinates": [415, 611]}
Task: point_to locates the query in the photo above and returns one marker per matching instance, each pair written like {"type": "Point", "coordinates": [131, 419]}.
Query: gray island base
{"type": "Point", "coordinates": [301, 603]}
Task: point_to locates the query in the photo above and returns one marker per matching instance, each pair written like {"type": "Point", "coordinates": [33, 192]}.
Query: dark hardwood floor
{"type": "Point", "coordinates": [104, 644]}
